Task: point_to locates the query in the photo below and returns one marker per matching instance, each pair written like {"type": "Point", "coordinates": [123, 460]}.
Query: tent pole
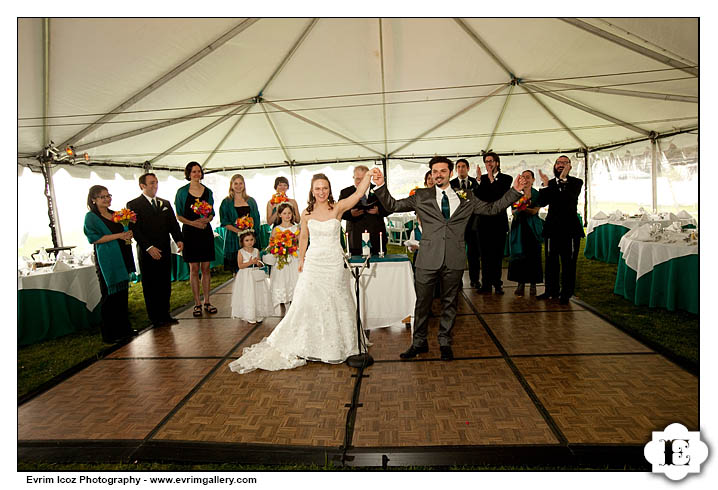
{"type": "Point", "coordinates": [529, 90]}
{"type": "Point", "coordinates": [46, 78]}
{"type": "Point", "coordinates": [586, 181]}
{"type": "Point", "coordinates": [629, 93]}
{"type": "Point", "coordinates": [450, 118]}
{"type": "Point", "coordinates": [632, 46]}
{"type": "Point", "coordinates": [654, 173]}
{"type": "Point", "coordinates": [501, 116]}
{"type": "Point", "coordinates": [317, 125]}
{"type": "Point", "coordinates": [163, 124]}
{"type": "Point", "coordinates": [383, 85]}
{"type": "Point", "coordinates": [592, 111]}
{"type": "Point", "coordinates": [219, 145]}
{"type": "Point", "coordinates": [276, 135]}
{"type": "Point", "coordinates": [200, 132]}
{"type": "Point", "coordinates": [162, 80]}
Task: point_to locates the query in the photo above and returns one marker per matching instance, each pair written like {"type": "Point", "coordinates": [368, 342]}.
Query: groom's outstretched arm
{"type": "Point", "coordinates": [386, 200]}
{"type": "Point", "coordinates": [498, 206]}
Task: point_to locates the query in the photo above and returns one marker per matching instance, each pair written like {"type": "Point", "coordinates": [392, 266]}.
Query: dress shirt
{"type": "Point", "coordinates": [451, 194]}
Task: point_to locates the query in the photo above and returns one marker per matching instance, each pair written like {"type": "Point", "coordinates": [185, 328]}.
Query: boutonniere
{"type": "Point", "coordinates": [461, 193]}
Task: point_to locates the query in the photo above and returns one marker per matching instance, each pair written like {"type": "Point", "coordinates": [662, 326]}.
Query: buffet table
{"type": "Point", "coordinates": [386, 291]}
{"type": "Point", "coordinates": [53, 304]}
{"type": "Point", "coordinates": [662, 273]}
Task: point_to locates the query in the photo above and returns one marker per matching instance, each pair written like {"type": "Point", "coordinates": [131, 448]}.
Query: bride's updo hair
{"type": "Point", "coordinates": [312, 200]}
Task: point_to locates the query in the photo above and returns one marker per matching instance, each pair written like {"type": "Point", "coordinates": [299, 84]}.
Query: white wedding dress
{"type": "Point", "coordinates": [320, 324]}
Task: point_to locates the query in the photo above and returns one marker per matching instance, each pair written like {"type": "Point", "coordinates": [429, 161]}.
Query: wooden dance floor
{"type": "Point", "coordinates": [533, 383]}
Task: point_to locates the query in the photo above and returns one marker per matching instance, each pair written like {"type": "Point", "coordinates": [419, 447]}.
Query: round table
{"type": "Point", "coordinates": [658, 274]}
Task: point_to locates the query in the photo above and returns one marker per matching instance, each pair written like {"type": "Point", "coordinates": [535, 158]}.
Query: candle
{"type": "Point", "coordinates": [346, 241]}
{"type": "Point", "coordinates": [365, 250]}
{"type": "Point", "coordinates": [381, 244]}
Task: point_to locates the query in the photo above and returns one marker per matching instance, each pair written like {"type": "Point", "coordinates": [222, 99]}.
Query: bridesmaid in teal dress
{"type": "Point", "coordinates": [525, 241]}
{"type": "Point", "coordinates": [236, 205]}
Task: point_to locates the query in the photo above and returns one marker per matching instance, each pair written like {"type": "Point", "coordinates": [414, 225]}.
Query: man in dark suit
{"type": "Point", "coordinates": [562, 229]}
{"type": "Point", "coordinates": [368, 214]}
{"type": "Point", "coordinates": [466, 183]}
{"type": "Point", "coordinates": [492, 229]}
{"type": "Point", "coordinates": [156, 221]}
{"type": "Point", "coordinates": [443, 214]}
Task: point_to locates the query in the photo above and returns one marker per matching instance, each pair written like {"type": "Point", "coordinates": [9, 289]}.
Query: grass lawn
{"type": "Point", "coordinates": [39, 363]}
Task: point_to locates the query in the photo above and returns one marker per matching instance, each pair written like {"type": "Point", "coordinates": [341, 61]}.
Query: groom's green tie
{"type": "Point", "coordinates": [445, 205]}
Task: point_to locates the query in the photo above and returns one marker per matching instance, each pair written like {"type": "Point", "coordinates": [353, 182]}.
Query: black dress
{"type": "Point", "coordinates": [115, 317]}
{"type": "Point", "coordinates": [198, 244]}
{"type": "Point", "coordinates": [230, 263]}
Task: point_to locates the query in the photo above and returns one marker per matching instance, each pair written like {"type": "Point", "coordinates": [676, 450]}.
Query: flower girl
{"type": "Point", "coordinates": [251, 300]}
{"type": "Point", "coordinates": [285, 273]}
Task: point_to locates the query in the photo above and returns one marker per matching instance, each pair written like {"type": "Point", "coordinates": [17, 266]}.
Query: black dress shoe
{"type": "Point", "coordinates": [412, 351]}
{"type": "Point", "coordinates": [446, 353]}
{"type": "Point", "coordinates": [172, 320]}
{"type": "Point", "coordinates": [499, 290]}
{"type": "Point", "coordinates": [563, 301]}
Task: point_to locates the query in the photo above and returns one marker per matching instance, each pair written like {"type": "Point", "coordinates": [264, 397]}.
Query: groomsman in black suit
{"type": "Point", "coordinates": [156, 221]}
{"type": "Point", "coordinates": [466, 183]}
{"type": "Point", "coordinates": [368, 214]}
{"type": "Point", "coordinates": [562, 229]}
{"type": "Point", "coordinates": [492, 229]}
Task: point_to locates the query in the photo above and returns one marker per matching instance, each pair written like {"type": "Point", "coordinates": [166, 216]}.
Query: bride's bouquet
{"type": "Point", "coordinates": [283, 245]}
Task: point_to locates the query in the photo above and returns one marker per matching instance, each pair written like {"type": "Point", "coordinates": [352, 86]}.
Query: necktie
{"type": "Point", "coordinates": [463, 185]}
{"type": "Point", "coordinates": [154, 204]}
{"type": "Point", "coordinates": [445, 205]}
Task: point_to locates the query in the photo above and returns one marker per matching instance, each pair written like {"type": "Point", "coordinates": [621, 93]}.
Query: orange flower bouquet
{"type": "Point", "coordinates": [245, 223]}
{"type": "Point", "coordinates": [413, 191]}
{"type": "Point", "coordinates": [283, 245]}
{"type": "Point", "coordinates": [125, 216]}
{"type": "Point", "coordinates": [278, 198]}
{"type": "Point", "coordinates": [521, 204]}
{"type": "Point", "coordinates": [202, 208]}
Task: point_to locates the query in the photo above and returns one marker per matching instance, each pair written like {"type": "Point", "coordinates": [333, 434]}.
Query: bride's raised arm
{"type": "Point", "coordinates": [349, 202]}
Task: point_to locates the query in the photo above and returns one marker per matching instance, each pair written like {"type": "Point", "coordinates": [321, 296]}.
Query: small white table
{"type": "Point", "coordinates": [386, 291]}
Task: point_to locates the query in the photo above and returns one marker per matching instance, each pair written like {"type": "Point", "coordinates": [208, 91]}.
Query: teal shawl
{"type": "Point", "coordinates": [109, 255]}
{"type": "Point", "coordinates": [182, 196]}
{"type": "Point", "coordinates": [520, 220]}
{"type": "Point", "coordinates": [228, 216]}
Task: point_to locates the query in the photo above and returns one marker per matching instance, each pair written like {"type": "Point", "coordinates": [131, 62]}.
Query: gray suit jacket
{"type": "Point", "coordinates": [442, 242]}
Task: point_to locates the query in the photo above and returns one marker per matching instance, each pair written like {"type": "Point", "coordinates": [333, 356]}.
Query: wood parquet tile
{"type": "Point", "coordinates": [469, 340]}
{"type": "Point", "coordinates": [123, 399]}
{"type": "Point", "coordinates": [302, 407]}
{"type": "Point", "coordinates": [191, 338]}
{"type": "Point", "coordinates": [613, 399]}
{"type": "Point", "coordinates": [567, 332]}
{"type": "Point", "coordinates": [467, 402]}
{"type": "Point", "coordinates": [510, 303]}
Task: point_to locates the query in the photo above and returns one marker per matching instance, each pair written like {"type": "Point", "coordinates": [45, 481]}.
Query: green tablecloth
{"type": "Point", "coordinates": [357, 259]}
{"type": "Point", "coordinates": [672, 285]}
{"type": "Point", "coordinates": [602, 243]}
{"type": "Point", "coordinates": [44, 315]}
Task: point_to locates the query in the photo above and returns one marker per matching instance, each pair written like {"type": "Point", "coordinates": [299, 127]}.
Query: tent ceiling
{"type": "Point", "coordinates": [352, 88]}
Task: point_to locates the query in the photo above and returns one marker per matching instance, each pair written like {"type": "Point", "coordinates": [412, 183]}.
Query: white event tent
{"type": "Point", "coordinates": [267, 97]}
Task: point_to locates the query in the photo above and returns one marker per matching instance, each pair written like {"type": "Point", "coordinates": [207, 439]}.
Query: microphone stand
{"type": "Point", "coordinates": [362, 359]}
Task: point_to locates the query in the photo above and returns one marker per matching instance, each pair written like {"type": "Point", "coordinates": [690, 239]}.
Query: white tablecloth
{"type": "Point", "coordinates": [386, 294]}
{"type": "Point", "coordinates": [401, 219]}
{"type": "Point", "coordinates": [632, 223]}
{"type": "Point", "coordinates": [81, 283]}
{"type": "Point", "coordinates": [642, 256]}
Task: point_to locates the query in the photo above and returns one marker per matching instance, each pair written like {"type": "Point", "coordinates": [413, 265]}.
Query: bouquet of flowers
{"type": "Point", "coordinates": [413, 191]}
{"type": "Point", "coordinates": [203, 208]}
{"type": "Point", "coordinates": [245, 223]}
{"type": "Point", "coordinates": [278, 198]}
{"type": "Point", "coordinates": [283, 244]}
{"type": "Point", "coordinates": [521, 204]}
{"type": "Point", "coordinates": [125, 217]}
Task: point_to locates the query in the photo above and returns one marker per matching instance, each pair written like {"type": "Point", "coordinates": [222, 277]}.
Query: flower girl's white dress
{"type": "Point", "coordinates": [251, 299]}
{"type": "Point", "coordinates": [282, 281]}
{"type": "Point", "coordinates": [321, 323]}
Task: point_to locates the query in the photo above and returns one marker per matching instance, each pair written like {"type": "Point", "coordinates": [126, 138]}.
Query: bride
{"type": "Point", "coordinates": [320, 323]}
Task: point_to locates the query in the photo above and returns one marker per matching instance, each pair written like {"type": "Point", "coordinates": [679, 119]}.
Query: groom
{"type": "Point", "coordinates": [444, 213]}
